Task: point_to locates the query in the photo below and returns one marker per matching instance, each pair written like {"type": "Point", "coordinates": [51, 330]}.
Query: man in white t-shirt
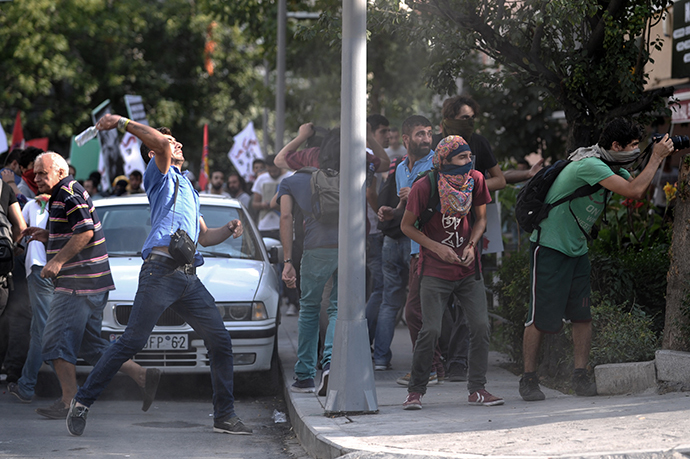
{"type": "Point", "coordinates": [40, 296]}
{"type": "Point", "coordinates": [263, 190]}
{"type": "Point", "coordinates": [396, 149]}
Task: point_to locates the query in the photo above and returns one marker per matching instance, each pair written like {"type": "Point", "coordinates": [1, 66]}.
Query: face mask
{"type": "Point", "coordinates": [464, 128]}
{"type": "Point", "coordinates": [452, 169]}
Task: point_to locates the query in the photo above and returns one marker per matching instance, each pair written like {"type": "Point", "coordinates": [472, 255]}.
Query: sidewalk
{"type": "Point", "coordinates": [637, 426]}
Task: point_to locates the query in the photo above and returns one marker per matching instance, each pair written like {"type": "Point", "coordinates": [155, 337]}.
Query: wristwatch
{"type": "Point", "coordinates": [288, 260]}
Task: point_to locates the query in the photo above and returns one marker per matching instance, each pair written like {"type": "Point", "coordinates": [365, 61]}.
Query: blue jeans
{"type": "Point", "coordinates": [374, 261]}
{"type": "Point", "coordinates": [161, 287]}
{"type": "Point", "coordinates": [73, 328]}
{"type": "Point", "coordinates": [318, 265]}
{"type": "Point", "coordinates": [395, 267]}
{"type": "Point", "coordinates": [40, 297]}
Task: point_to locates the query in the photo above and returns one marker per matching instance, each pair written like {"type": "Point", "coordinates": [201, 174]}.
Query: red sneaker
{"type": "Point", "coordinates": [413, 401]}
{"type": "Point", "coordinates": [482, 397]}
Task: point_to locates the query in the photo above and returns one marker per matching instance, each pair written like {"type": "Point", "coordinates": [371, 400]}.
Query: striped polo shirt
{"type": "Point", "coordinates": [72, 212]}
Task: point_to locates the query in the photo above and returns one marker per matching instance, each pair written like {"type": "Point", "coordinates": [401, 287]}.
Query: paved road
{"type": "Point", "coordinates": [178, 425]}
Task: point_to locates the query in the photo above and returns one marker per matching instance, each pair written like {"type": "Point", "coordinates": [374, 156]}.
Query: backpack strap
{"type": "Point", "coordinates": [434, 199]}
{"type": "Point", "coordinates": [581, 192]}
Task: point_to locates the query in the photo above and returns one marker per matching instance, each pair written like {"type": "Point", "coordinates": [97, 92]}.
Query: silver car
{"type": "Point", "coordinates": [238, 273]}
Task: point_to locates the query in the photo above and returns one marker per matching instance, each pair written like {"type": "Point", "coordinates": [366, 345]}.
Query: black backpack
{"type": "Point", "coordinates": [531, 207]}
{"type": "Point", "coordinates": [325, 194]}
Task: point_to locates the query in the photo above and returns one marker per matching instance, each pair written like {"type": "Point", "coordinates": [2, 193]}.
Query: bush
{"type": "Point", "coordinates": [621, 333]}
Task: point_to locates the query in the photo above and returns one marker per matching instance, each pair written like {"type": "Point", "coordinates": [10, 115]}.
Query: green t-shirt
{"type": "Point", "coordinates": [559, 231]}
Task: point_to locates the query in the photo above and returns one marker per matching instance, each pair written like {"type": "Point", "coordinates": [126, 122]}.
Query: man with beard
{"type": "Point", "coordinates": [417, 139]}
{"type": "Point", "coordinates": [216, 184]}
{"type": "Point", "coordinates": [236, 188]}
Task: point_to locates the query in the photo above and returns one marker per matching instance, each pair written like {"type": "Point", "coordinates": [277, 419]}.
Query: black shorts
{"type": "Point", "coordinates": [560, 289]}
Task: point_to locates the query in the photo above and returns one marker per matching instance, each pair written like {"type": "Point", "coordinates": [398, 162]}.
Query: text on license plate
{"type": "Point", "coordinates": [165, 342]}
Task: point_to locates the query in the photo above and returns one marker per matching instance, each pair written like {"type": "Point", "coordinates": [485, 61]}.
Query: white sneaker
{"type": "Point", "coordinates": [291, 310]}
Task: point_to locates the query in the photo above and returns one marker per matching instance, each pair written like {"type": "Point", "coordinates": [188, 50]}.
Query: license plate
{"type": "Point", "coordinates": [167, 342]}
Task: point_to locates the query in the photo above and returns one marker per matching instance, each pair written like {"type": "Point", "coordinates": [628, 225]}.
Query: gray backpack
{"type": "Point", "coordinates": [325, 194]}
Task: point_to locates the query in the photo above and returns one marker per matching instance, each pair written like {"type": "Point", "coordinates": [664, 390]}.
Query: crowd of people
{"type": "Point", "coordinates": [426, 200]}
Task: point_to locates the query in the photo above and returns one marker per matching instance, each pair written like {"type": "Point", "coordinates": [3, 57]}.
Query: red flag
{"type": "Point", "coordinates": [203, 174]}
{"type": "Point", "coordinates": [17, 133]}
{"type": "Point", "coordinates": [41, 142]}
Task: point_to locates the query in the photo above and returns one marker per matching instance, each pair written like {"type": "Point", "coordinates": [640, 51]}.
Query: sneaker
{"type": "Point", "coordinates": [57, 410]}
{"type": "Point", "coordinates": [153, 377]}
{"type": "Point", "coordinates": [323, 386]}
{"type": "Point", "coordinates": [405, 380]}
{"type": "Point", "coordinates": [291, 310]}
{"type": "Point", "coordinates": [529, 389]}
{"type": "Point", "coordinates": [482, 397]}
{"type": "Point", "coordinates": [583, 386]}
{"type": "Point", "coordinates": [385, 367]}
{"type": "Point", "coordinates": [305, 386]}
{"type": "Point", "coordinates": [413, 401]}
{"type": "Point", "coordinates": [76, 419]}
{"type": "Point", "coordinates": [13, 388]}
{"type": "Point", "coordinates": [231, 426]}
{"type": "Point", "coordinates": [456, 373]}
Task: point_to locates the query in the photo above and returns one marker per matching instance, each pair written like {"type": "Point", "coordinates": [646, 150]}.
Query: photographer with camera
{"type": "Point", "coordinates": [560, 269]}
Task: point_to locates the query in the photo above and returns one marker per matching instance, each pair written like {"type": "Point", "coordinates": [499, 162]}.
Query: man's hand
{"type": "Point", "coordinates": [404, 193]}
{"type": "Point", "coordinates": [385, 213]}
{"type": "Point", "coordinates": [448, 255]}
{"type": "Point", "coordinates": [289, 275]}
{"type": "Point", "coordinates": [235, 228]}
{"type": "Point", "coordinates": [107, 122]}
{"type": "Point", "coordinates": [7, 176]}
{"type": "Point", "coordinates": [467, 256]}
{"type": "Point", "coordinates": [662, 148]}
{"type": "Point", "coordinates": [51, 269]}
{"type": "Point", "coordinates": [306, 130]}
{"type": "Point", "coordinates": [535, 168]}
{"type": "Point", "coordinates": [36, 234]}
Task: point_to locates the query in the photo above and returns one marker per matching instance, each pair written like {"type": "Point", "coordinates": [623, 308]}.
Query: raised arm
{"type": "Point", "coordinates": [305, 131]}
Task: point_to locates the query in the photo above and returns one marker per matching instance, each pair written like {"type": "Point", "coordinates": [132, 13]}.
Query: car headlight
{"type": "Point", "coordinates": [233, 312]}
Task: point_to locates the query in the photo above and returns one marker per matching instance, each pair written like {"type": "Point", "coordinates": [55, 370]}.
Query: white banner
{"type": "Point", "coordinates": [3, 140]}
{"type": "Point", "coordinates": [131, 154]}
{"type": "Point", "coordinates": [244, 151]}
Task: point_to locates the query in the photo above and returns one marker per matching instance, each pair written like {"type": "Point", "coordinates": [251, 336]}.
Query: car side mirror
{"type": "Point", "coordinates": [274, 250]}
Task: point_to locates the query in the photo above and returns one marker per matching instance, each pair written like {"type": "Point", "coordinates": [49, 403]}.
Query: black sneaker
{"type": "Point", "coordinates": [57, 410]}
{"type": "Point", "coordinates": [304, 386]}
{"type": "Point", "coordinates": [323, 386]}
{"type": "Point", "coordinates": [13, 388]}
{"type": "Point", "coordinates": [231, 426]}
{"type": "Point", "coordinates": [583, 386]}
{"type": "Point", "coordinates": [456, 372]}
{"type": "Point", "coordinates": [153, 377]}
{"type": "Point", "coordinates": [529, 389]}
{"type": "Point", "coordinates": [76, 419]}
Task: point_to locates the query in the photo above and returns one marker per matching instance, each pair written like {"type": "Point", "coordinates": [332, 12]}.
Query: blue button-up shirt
{"type": "Point", "coordinates": [404, 177]}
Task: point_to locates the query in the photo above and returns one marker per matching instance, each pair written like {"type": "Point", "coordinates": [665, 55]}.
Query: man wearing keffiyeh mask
{"type": "Point", "coordinates": [560, 269]}
{"type": "Point", "coordinates": [447, 265]}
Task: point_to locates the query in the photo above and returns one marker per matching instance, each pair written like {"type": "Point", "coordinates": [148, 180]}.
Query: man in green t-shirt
{"type": "Point", "coordinates": [560, 269]}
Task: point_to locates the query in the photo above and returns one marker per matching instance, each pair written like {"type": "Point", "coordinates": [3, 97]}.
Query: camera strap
{"type": "Point", "coordinates": [172, 221]}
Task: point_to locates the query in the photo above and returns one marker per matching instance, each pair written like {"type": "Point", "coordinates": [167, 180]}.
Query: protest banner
{"type": "Point", "coordinates": [244, 151]}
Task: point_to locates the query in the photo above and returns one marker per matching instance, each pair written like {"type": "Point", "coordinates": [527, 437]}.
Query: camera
{"type": "Point", "coordinates": [680, 142]}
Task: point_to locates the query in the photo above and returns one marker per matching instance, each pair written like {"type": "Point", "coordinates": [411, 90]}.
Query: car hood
{"type": "Point", "coordinates": [227, 279]}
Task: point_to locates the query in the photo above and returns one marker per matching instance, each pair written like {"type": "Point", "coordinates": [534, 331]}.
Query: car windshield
{"type": "Point", "coordinates": [126, 228]}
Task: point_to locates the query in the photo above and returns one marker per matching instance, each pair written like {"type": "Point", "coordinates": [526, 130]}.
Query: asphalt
{"type": "Point", "coordinates": [644, 425]}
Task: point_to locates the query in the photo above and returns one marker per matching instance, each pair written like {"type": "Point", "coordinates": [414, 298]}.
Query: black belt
{"type": "Point", "coordinates": [171, 263]}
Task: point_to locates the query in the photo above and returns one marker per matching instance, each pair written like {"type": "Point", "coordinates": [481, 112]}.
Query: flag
{"type": "Point", "coordinates": [209, 47]}
{"type": "Point", "coordinates": [3, 140]}
{"type": "Point", "coordinates": [203, 171]}
{"type": "Point", "coordinates": [245, 150]}
{"type": "Point", "coordinates": [41, 143]}
{"type": "Point", "coordinates": [17, 133]}
{"type": "Point", "coordinates": [130, 150]}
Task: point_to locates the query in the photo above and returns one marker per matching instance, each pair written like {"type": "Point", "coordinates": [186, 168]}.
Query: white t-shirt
{"type": "Point", "coordinates": [396, 152]}
{"type": "Point", "coordinates": [36, 251]}
{"type": "Point", "coordinates": [266, 186]}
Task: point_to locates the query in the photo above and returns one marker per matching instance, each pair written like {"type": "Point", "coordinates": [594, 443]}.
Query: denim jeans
{"type": "Point", "coordinates": [73, 328]}
{"type": "Point", "coordinates": [161, 287]}
{"type": "Point", "coordinates": [40, 297]}
{"type": "Point", "coordinates": [434, 293]}
{"type": "Point", "coordinates": [395, 267]}
{"type": "Point", "coordinates": [318, 265]}
{"type": "Point", "coordinates": [374, 261]}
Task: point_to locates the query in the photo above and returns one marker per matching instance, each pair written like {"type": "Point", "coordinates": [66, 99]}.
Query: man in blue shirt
{"type": "Point", "coordinates": [164, 282]}
{"type": "Point", "coordinates": [417, 134]}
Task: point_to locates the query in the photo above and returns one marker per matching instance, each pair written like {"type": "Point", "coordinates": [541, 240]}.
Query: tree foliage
{"type": "Point", "coordinates": [588, 55]}
{"type": "Point", "coordinates": [63, 58]}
